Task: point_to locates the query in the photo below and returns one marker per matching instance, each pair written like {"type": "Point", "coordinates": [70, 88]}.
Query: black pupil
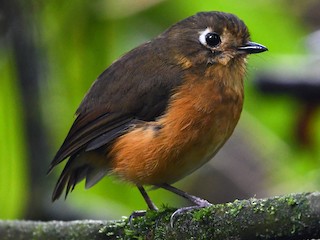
{"type": "Point", "coordinates": [213, 39]}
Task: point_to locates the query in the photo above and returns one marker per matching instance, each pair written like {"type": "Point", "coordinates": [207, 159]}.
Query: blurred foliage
{"type": "Point", "coordinates": [13, 178]}
{"type": "Point", "coordinates": [79, 39]}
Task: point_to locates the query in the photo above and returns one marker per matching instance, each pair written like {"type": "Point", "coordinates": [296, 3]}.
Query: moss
{"type": "Point", "coordinates": [258, 205]}
{"type": "Point", "coordinates": [235, 208]}
{"type": "Point", "coordinates": [201, 213]}
{"type": "Point", "coordinates": [141, 227]}
{"type": "Point", "coordinates": [38, 231]}
{"type": "Point", "coordinates": [291, 201]}
{"type": "Point", "coordinates": [280, 216]}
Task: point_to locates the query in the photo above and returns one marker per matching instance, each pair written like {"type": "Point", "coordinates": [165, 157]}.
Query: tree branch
{"type": "Point", "coordinates": [295, 216]}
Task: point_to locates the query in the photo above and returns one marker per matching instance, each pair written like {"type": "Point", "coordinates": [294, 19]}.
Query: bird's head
{"type": "Point", "coordinates": [209, 38]}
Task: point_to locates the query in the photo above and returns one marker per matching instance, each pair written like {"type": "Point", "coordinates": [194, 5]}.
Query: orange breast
{"type": "Point", "coordinates": [201, 116]}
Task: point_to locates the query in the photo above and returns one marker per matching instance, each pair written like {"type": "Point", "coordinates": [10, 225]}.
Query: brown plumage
{"type": "Point", "coordinates": [163, 109]}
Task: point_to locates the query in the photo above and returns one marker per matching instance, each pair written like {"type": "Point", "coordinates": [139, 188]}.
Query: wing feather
{"type": "Point", "coordinates": [137, 87]}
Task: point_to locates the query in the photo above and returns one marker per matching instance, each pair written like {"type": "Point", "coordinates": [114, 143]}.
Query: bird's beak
{"type": "Point", "coordinates": [252, 48]}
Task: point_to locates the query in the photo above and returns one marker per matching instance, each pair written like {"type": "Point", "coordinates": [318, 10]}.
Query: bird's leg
{"type": "Point", "coordinates": [146, 197]}
{"type": "Point", "coordinates": [151, 205]}
{"type": "Point", "coordinates": [196, 200]}
{"type": "Point", "coordinates": [199, 202]}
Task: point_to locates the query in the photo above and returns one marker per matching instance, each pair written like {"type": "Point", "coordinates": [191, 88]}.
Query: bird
{"type": "Point", "coordinates": [162, 110]}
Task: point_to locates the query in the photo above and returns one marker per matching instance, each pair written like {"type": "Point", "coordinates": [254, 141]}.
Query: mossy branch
{"type": "Point", "coordinates": [295, 216]}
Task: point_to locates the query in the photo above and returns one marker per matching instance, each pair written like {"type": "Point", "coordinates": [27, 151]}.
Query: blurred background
{"type": "Point", "coordinates": [52, 51]}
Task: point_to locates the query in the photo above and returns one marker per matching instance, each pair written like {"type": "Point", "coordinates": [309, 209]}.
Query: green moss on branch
{"type": "Point", "coordinates": [295, 216]}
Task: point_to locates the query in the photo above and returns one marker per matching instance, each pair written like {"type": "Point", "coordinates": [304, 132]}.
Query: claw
{"type": "Point", "coordinates": [201, 204]}
{"type": "Point", "coordinates": [135, 214]}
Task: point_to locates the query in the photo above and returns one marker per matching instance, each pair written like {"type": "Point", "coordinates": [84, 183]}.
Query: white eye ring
{"type": "Point", "coordinates": [202, 37]}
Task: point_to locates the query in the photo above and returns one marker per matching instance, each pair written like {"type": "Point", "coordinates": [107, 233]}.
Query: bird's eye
{"type": "Point", "coordinates": [209, 38]}
{"type": "Point", "coordinates": [212, 39]}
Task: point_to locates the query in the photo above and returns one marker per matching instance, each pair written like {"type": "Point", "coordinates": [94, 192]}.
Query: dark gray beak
{"type": "Point", "coordinates": [252, 48]}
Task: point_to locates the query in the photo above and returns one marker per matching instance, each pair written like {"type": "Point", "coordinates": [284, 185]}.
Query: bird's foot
{"type": "Point", "coordinates": [201, 203]}
{"type": "Point", "coordinates": [135, 214]}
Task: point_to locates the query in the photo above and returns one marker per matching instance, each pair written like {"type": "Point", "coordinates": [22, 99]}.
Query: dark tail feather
{"type": "Point", "coordinates": [69, 177]}
{"type": "Point", "coordinates": [59, 187]}
{"type": "Point", "coordinates": [77, 169]}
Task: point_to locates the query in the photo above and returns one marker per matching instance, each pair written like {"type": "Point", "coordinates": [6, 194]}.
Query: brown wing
{"type": "Point", "coordinates": [122, 94]}
{"type": "Point", "coordinates": [90, 131]}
